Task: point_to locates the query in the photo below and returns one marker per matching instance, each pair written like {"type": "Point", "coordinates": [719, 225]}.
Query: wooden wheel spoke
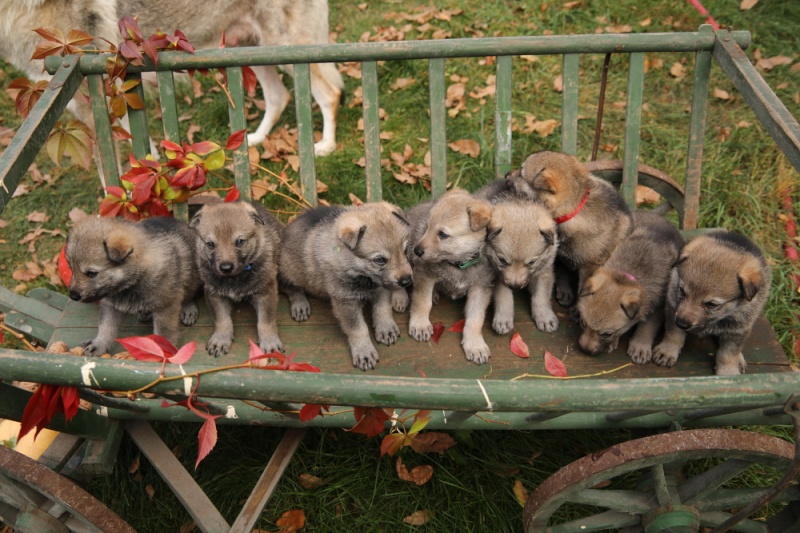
{"type": "Point", "coordinates": [627, 501]}
{"type": "Point", "coordinates": [699, 486]}
{"type": "Point", "coordinates": [598, 522]}
{"type": "Point", "coordinates": [724, 499]}
{"type": "Point", "coordinates": [715, 518]}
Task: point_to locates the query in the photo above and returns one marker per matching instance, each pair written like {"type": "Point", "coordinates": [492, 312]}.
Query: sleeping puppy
{"type": "Point", "coordinates": [719, 287]}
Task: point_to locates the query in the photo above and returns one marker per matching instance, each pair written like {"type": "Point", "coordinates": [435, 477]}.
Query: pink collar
{"type": "Point", "coordinates": [568, 216]}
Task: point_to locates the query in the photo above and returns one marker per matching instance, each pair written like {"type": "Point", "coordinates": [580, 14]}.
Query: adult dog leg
{"type": "Point", "coordinates": [276, 98]}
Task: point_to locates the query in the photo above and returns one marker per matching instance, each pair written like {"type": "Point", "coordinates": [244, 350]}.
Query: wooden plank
{"type": "Point", "coordinates": [138, 121]}
{"type": "Point", "coordinates": [29, 306]}
{"type": "Point", "coordinates": [438, 134]}
{"type": "Point", "coordinates": [169, 117]}
{"type": "Point", "coordinates": [60, 451]}
{"type": "Point", "coordinates": [569, 104]}
{"type": "Point", "coordinates": [305, 132]}
{"type": "Point", "coordinates": [49, 297]}
{"type": "Point", "coordinates": [502, 160]}
{"type": "Point", "coordinates": [186, 489]}
{"type": "Point", "coordinates": [105, 147]}
{"type": "Point", "coordinates": [23, 323]}
{"type": "Point", "coordinates": [633, 126]}
{"type": "Point", "coordinates": [372, 141]}
{"type": "Point", "coordinates": [236, 112]}
{"type": "Point", "coordinates": [268, 481]}
{"type": "Point", "coordinates": [101, 455]}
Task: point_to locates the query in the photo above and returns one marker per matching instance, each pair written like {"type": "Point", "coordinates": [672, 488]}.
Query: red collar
{"type": "Point", "coordinates": [564, 218]}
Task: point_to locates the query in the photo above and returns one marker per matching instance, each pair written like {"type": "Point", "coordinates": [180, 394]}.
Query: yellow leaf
{"type": "Point", "coordinates": [677, 71]}
{"type": "Point", "coordinates": [309, 481]}
{"type": "Point", "coordinates": [720, 94]}
{"type": "Point", "coordinates": [520, 492]}
{"type": "Point", "coordinates": [745, 5]}
{"type": "Point", "coordinates": [418, 518]}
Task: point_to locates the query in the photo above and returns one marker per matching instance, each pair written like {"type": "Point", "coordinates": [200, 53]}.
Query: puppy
{"type": "Point", "coordinates": [244, 23]}
{"type": "Point", "coordinates": [449, 237]}
{"type": "Point", "coordinates": [238, 249]}
{"type": "Point", "coordinates": [591, 216]}
{"type": "Point", "coordinates": [145, 268]}
{"type": "Point", "coordinates": [630, 289]}
{"type": "Point", "coordinates": [719, 287]}
{"type": "Point", "coordinates": [351, 255]}
{"type": "Point", "coordinates": [522, 245]}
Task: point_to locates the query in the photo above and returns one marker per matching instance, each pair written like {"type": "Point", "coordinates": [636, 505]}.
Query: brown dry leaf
{"type": "Point", "coordinates": [3, 223]}
{"type": "Point", "coordinates": [77, 214]}
{"type": "Point", "coordinates": [6, 134]}
{"type": "Point", "coordinates": [29, 273]}
{"type": "Point", "coordinates": [150, 491]}
{"type": "Point", "coordinates": [558, 83]}
{"type": "Point", "coordinates": [259, 188]}
{"type": "Point", "coordinates": [744, 5]}
{"type": "Point", "coordinates": [402, 177]}
{"type": "Point", "coordinates": [656, 63]}
{"type": "Point", "coordinates": [646, 196]}
{"type": "Point", "coordinates": [795, 67]}
{"type": "Point", "coordinates": [352, 69]}
{"type": "Point", "coordinates": [743, 124]}
{"type": "Point", "coordinates": [466, 147]}
{"type": "Point", "coordinates": [723, 133]}
{"type": "Point", "coordinates": [772, 62]}
{"type": "Point", "coordinates": [254, 157]}
{"type": "Point", "coordinates": [543, 127]}
{"type": "Point", "coordinates": [677, 71]}
{"type": "Point", "coordinates": [530, 58]}
{"type": "Point", "coordinates": [402, 83]}
{"type": "Point", "coordinates": [602, 484]}
{"type": "Point", "coordinates": [37, 217]}
{"type": "Point", "coordinates": [355, 200]}
{"type": "Point", "coordinates": [294, 161]}
{"type": "Point", "coordinates": [322, 187]}
{"type": "Point", "coordinates": [193, 128]}
{"type": "Point", "coordinates": [134, 466]}
{"type": "Point", "coordinates": [619, 29]}
{"type": "Point", "coordinates": [419, 474]}
{"type": "Point", "coordinates": [720, 94]}
{"type": "Point", "coordinates": [418, 518]}
{"type": "Point", "coordinates": [432, 441]}
{"type": "Point", "coordinates": [197, 88]}
{"type": "Point", "coordinates": [646, 22]}
{"type": "Point", "coordinates": [454, 98]}
{"type": "Point", "coordinates": [363, 6]}
{"type": "Point", "coordinates": [572, 5]}
{"type": "Point", "coordinates": [309, 481]}
{"type": "Point", "coordinates": [50, 269]}
{"type": "Point", "coordinates": [489, 90]}
{"type": "Point", "coordinates": [520, 492]}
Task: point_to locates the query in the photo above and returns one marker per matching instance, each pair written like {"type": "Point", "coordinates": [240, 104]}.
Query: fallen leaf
{"type": "Point", "coordinates": [193, 128]}
{"type": "Point", "coordinates": [457, 327]}
{"type": "Point", "coordinates": [418, 518]}
{"type": "Point", "coordinates": [518, 346]}
{"type": "Point", "coordinates": [572, 5]}
{"type": "Point", "coordinates": [134, 466]}
{"type": "Point", "coordinates": [646, 196]}
{"type": "Point", "coordinates": [3, 223]}
{"type": "Point", "coordinates": [466, 147]}
{"type": "Point", "coordinates": [309, 481]}
{"type": "Point", "coordinates": [291, 521]}
{"type": "Point", "coordinates": [6, 134]}
{"type": "Point", "coordinates": [37, 217]}
{"type": "Point", "coordinates": [646, 22]}
{"type": "Point", "coordinates": [29, 273]}
{"type": "Point", "coordinates": [720, 94]}
{"type": "Point", "coordinates": [259, 188]}
{"type": "Point", "coordinates": [438, 329]}
{"type": "Point", "coordinates": [254, 158]}
{"type": "Point", "coordinates": [554, 365]}
{"type": "Point", "coordinates": [619, 29]}
{"type": "Point", "coordinates": [677, 71]}
{"type": "Point", "coordinates": [402, 83]}
{"type": "Point", "coordinates": [743, 124]}
{"type": "Point", "coordinates": [520, 492]}
{"type": "Point", "coordinates": [772, 62]}
{"type": "Point", "coordinates": [558, 83]}
{"type": "Point", "coordinates": [433, 442]}
{"type": "Point", "coordinates": [419, 474]}
{"type": "Point", "coordinates": [543, 127]}
{"type": "Point", "coordinates": [355, 200]}
{"type": "Point", "coordinates": [150, 491]}
{"type": "Point", "coordinates": [744, 5]}
{"type": "Point", "coordinates": [77, 214]}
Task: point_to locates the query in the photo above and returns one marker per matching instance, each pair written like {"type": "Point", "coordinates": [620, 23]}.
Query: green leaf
{"type": "Point", "coordinates": [215, 161]}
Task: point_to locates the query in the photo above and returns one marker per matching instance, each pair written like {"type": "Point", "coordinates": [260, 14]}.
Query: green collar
{"type": "Point", "coordinates": [471, 262]}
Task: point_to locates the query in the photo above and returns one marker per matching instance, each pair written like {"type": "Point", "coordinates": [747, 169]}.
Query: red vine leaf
{"type": "Point", "coordinates": [232, 195]}
{"type": "Point", "coordinates": [207, 439]}
{"type": "Point", "coordinates": [235, 140]}
{"type": "Point", "coordinates": [369, 420]}
{"type": "Point", "coordinates": [47, 401]}
{"type": "Point", "coordinates": [312, 410]}
{"type": "Point", "coordinates": [554, 365]}
{"type": "Point", "coordinates": [393, 442]}
{"type": "Point", "coordinates": [518, 346]}
{"type": "Point", "coordinates": [432, 441]}
{"type": "Point", "coordinates": [55, 44]}
{"type": "Point", "coordinates": [438, 329]}
{"type": "Point", "coordinates": [457, 327]}
{"type": "Point", "coordinates": [291, 521]}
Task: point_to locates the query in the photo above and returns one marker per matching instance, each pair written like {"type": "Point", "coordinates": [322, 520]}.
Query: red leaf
{"type": "Point", "coordinates": [232, 195]}
{"type": "Point", "coordinates": [457, 327]}
{"type": "Point", "coordinates": [311, 410]}
{"type": "Point", "coordinates": [36, 413]}
{"type": "Point", "coordinates": [164, 344]}
{"type": "Point", "coordinates": [554, 365]}
{"type": "Point", "coordinates": [143, 349]}
{"type": "Point", "coordinates": [207, 439]}
{"type": "Point", "coordinates": [1, 337]}
{"type": "Point", "coordinates": [70, 402]}
{"type": "Point", "coordinates": [250, 80]}
{"type": "Point", "coordinates": [184, 354]}
{"type": "Point", "coordinates": [369, 421]}
{"type": "Point", "coordinates": [235, 140]}
{"type": "Point", "coordinates": [438, 329]}
{"type": "Point", "coordinates": [64, 271]}
{"type": "Point", "coordinates": [518, 346]}
{"type": "Point", "coordinates": [392, 443]}
{"type": "Point", "coordinates": [291, 521]}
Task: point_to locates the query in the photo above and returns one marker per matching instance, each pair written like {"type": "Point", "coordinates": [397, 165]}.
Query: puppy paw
{"type": "Point", "coordinates": [502, 325]}
{"type": "Point", "coordinates": [733, 367]}
{"type": "Point", "coordinates": [546, 320]}
{"type": "Point", "coordinates": [399, 300]}
{"type": "Point", "coordinates": [95, 347]}
{"type": "Point", "coordinates": [387, 333]}
{"type": "Point", "coordinates": [476, 351]}
{"type": "Point", "coordinates": [301, 311]}
{"type": "Point", "coordinates": [189, 314]}
{"type": "Point", "coordinates": [219, 344]}
{"type": "Point", "coordinates": [666, 354]}
{"type": "Point", "coordinates": [365, 357]}
{"type": "Point", "coordinates": [640, 354]}
{"type": "Point", "coordinates": [574, 315]}
{"type": "Point", "coordinates": [271, 344]}
{"type": "Point", "coordinates": [420, 330]}
{"type": "Point", "coordinates": [565, 295]}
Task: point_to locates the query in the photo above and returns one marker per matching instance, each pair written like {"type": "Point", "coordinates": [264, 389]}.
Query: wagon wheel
{"type": "Point", "coordinates": [33, 498]}
{"type": "Point", "coordinates": [678, 485]}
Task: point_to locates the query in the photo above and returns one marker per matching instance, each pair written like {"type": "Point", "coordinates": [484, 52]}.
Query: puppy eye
{"type": "Point", "coordinates": [210, 245]}
{"type": "Point", "coordinates": [681, 292]}
{"type": "Point", "coordinates": [380, 260]}
{"type": "Point", "coordinates": [503, 261]}
{"type": "Point", "coordinates": [91, 273]}
{"type": "Point", "coordinates": [607, 334]}
{"type": "Point", "coordinates": [443, 235]}
{"type": "Point", "coordinates": [529, 264]}
{"type": "Point", "coordinates": [239, 243]}
{"type": "Point", "coordinates": [710, 305]}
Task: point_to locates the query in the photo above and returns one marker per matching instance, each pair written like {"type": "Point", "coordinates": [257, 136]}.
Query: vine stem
{"type": "Point", "coordinates": [581, 376]}
{"type": "Point", "coordinates": [197, 374]}
{"type": "Point", "coordinates": [19, 336]}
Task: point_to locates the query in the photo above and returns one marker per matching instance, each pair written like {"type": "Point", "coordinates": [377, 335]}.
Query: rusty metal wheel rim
{"type": "Point", "coordinates": [80, 508]}
{"type": "Point", "coordinates": [574, 479]}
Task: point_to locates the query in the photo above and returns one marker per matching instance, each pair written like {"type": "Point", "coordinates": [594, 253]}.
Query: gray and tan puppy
{"type": "Point", "coordinates": [238, 248]}
{"type": "Point", "coordinates": [592, 218]}
{"type": "Point", "coordinates": [145, 268]}
{"type": "Point", "coordinates": [351, 255]}
{"type": "Point", "coordinates": [718, 288]}
{"type": "Point", "coordinates": [630, 289]}
{"type": "Point", "coordinates": [449, 236]}
{"type": "Point", "coordinates": [522, 245]}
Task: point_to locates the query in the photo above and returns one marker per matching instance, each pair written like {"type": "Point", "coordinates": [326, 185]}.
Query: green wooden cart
{"type": "Point", "coordinates": [687, 400]}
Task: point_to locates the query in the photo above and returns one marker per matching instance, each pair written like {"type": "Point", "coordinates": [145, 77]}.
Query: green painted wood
{"type": "Point", "coordinates": [34, 130]}
{"type": "Point", "coordinates": [49, 297]}
{"type": "Point", "coordinates": [438, 133]}
{"type": "Point", "coordinates": [101, 455]}
{"type": "Point", "coordinates": [569, 104]}
{"type": "Point", "coordinates": [502, 119]}
{"type": "Point", "coordinates": [628, 501]}
{"type": "Point", "coordinates": [106, 148]}
{"type": "Point", "coordinates": [633, 126]}
{"type": "Point", "coordinates": [169, 117]}
{"type": "Point", "coordinates": [138, 122]}
{"type": "Point", "coordinates": [442, 48]}
{"type": "Point", "coordinates": [31, 327]}
{"type": "Point", "coordinates": [236, 112]}
{"type": "Point", "coordinates": [372, 141]}
{"type": "Point", "coordinates": [29, 306]}
{"type": "Point", "coordinates": [305, 132]}
{"type": "Point", "coordinates": [771, 112]}
{"type": "Point", "coordinates": [697, 127]}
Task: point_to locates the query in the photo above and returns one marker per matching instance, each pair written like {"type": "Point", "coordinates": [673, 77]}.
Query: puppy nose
{"type": "Point", "coordinates": [516, 286]}
{"type": "Point", "coordinates": [405, 281]}
{"type": "Point", "coordinates": [419, 251]}
{"type": "Point", "coordinates": [75, 295]}
{"type": "Point", "coordinates": [589, 350]}
{"type": "Point", "coordinates": [681, 323]}
{"type": "Point", "coordinates": [226, 267]}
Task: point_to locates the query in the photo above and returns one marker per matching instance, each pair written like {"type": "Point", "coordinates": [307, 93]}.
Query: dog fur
{"type": "Point", "coordinates": [238, 251]}
{"type": "Point", "coordinates": [244, 23]}
{"type": "Point", "coordinates": [351, 255]}
{"type": "Point", "coordinates": [523, 257]}
{"type": "Point", "coordinates": [145, 268]}
{"type": "Point", "coordinates": [587, 239]}
{"type": "Point", "coordinates": [449, 236]}
{"type": "Point", "coordinates": [630, 289]}
{"type": "Point", "coordinates": [718, 288]}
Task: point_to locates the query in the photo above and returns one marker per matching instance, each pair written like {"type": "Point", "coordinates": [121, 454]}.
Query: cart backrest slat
{"type": "Point", "coordinates": [569, 105]}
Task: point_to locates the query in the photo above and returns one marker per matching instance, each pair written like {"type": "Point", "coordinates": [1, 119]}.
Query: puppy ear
{"type": "Point", "coordinates": [350, 229]}
{"type": "Point", "coordinates": [493, 230]}
{"type": "Point", "coordinates": [118, 246]}
{"type": "Point", "coordinates": [593, 284]}
{"type": "Point", "coordinates": [546, 181]}
{"type": "Point", "coordinates": [681, 258]}
{"type": "Point", "coordinates": [195, 221]}
{"type": "Point", "coordinates": [254, 213]}
{"type": "Point", "coordinates": [549, 235]}
{"type": "Point", "coordinates": [480, 214]}
{"type": "Point", "coordinates": [401, 215]}
{"type": "Point", "coordinates": [631, 302]}
{"type": "Point", "coordinates": [750, 279]}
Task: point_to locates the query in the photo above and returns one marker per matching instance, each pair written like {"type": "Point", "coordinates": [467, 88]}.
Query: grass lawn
{"type": "Point", "coordinates": [745, 180]}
